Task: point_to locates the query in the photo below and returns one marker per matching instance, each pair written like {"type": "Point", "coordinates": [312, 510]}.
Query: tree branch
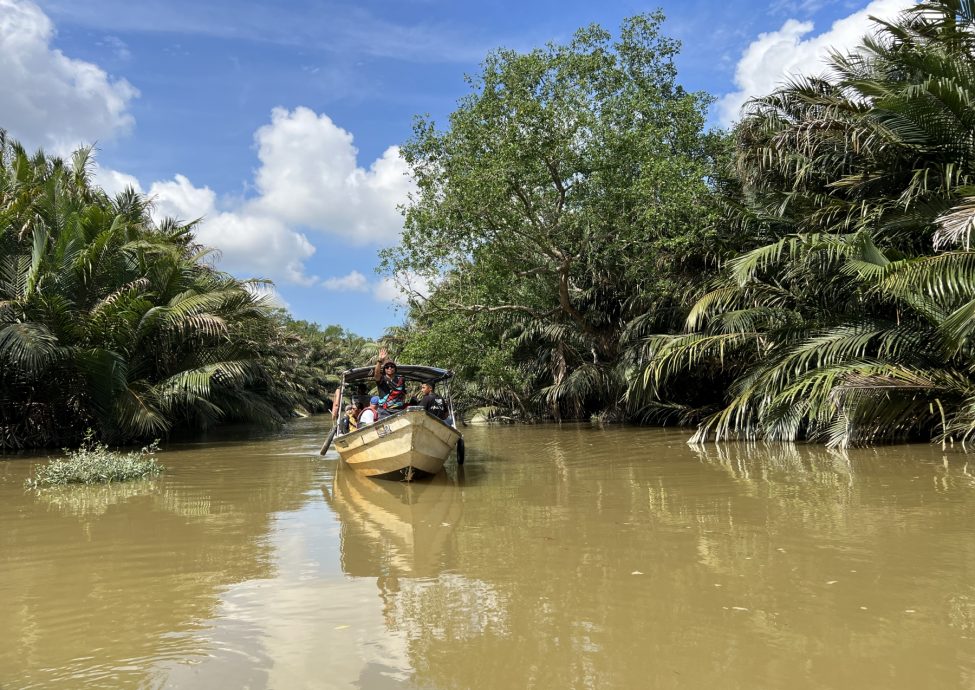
{"type": "Point", "coordinates": [566, 303]}
{"type": "Point", "coordinates": [553, 170]}
{"type": "Point", "coordinates": [453, 307]}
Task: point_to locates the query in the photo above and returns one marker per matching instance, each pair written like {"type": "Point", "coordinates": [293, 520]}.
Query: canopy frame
{"type": "Point", "coordinates": [410, 372]}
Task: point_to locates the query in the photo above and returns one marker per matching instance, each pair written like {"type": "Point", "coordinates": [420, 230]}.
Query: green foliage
{"type": "Point", "coordinates": [851, 323]}
{"type": "Point", "coordinates": [111, 321]}
{"type": "Point", "coordinates": [319, 357]}
{"type": "Point", "coordinates": [486, 374]}
{"type": "Point", "coordinates": [570, 196]}
{"type": "Point", "coordinates": [95, 463]}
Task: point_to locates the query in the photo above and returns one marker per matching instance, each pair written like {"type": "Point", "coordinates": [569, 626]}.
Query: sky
{"type": "Point", "coordinates": [278, 123]}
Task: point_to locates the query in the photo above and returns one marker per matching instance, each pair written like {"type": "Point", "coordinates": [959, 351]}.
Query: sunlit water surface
{"type": "Point", "coordinates": [557, 557]}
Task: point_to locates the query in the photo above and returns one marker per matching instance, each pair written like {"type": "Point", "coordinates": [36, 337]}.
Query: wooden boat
{"type": "Point", "coordinates": [409, 444]}
{"type": "Point", "coordinates": [393, 528]}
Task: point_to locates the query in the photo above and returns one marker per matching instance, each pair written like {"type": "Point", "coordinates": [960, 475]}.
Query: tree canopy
{"type": "Point", "coordinates": [568, 196]}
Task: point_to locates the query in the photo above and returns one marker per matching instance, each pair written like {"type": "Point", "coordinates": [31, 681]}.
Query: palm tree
{"type": "Point", "coordinates": [851, 324]}
{"type": "Point", "coordinates": [111, 321]}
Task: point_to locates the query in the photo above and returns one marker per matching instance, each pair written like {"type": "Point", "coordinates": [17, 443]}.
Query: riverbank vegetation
{"type": "Point", "coordinates": [595, 251]}
{"type": "Point", "coordinates": [112, 321]}
{"type": "Point", "coordinates": [852, 322]}
{"type": "Point", "coordinates": [95, 463]}
{"type": "Point", "coordinates": [807, 275]}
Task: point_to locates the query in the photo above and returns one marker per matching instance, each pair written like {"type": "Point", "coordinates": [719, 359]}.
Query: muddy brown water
{"type": "Point", "coordinates": [558, 557]}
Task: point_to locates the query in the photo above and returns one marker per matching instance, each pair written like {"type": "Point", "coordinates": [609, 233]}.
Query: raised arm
{"type": "Point", "coordinates": [383, 356]}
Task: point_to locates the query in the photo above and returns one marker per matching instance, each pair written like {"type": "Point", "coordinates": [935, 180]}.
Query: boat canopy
{"type": "Point", "coordinates": [412, 372]}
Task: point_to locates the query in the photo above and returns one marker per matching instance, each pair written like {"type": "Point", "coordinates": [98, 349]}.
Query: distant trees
{"type": "Point", "coordinates": [322, 355]}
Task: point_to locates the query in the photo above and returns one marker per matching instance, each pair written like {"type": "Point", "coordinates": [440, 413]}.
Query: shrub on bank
{"type": "Point", "coordinates": [95, 463]}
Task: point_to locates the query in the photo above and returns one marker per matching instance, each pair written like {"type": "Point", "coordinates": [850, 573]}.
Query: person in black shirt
{"type": "Point", "coordinates": [431, 401]}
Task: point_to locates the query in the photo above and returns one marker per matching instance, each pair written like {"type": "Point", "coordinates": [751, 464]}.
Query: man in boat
{"type": "Point", "coordinates": [431, 401]}
{"type": "Point", "coordinates": [392, 386]}
{"type": "Point", "coordinates": [370, 414]}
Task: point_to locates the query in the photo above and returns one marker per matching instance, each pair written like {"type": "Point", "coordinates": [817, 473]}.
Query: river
{"type": "Point", "coordinates": [556, 557]}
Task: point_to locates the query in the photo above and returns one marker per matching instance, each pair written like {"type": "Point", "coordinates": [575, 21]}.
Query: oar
{"type": "Point", "coordinates": [328, 441]}
{"type": "Point", "coordinates": [336, 411]}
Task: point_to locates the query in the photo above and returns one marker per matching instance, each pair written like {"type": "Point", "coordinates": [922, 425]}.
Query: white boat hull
{"type": "Point", "coordinates": [400, 446]}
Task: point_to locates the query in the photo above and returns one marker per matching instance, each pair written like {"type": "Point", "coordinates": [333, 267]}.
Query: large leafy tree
{"type": "Point", "coordinates": [567, 196]}
{"type": "Point", "coordinates": [852, 323]}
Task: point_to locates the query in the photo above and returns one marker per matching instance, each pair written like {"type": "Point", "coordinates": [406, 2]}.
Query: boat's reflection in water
{"type": "Point", "coordinates": [394, 529]}
{"type": "Point", "coordinates": [404, 535]}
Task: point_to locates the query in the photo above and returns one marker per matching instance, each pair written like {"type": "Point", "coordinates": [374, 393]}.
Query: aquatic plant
{"type": "Point", "coordinates": [95, 463]}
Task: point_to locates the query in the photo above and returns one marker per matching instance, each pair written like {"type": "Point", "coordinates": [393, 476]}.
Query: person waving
{"type": "Point", "coordinates": [392, 386]}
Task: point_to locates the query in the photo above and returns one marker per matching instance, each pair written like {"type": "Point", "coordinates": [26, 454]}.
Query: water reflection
{"type": "Point", "coordinates": [403, 537]}
{"type": "Point", "coordinates": [394, 529]}
{"type": "Point", "coordinates": [563, 557]}
{"type": "Point", "coordinates": [97, 583]}
{"type": "Point", "coordinates": [92, 501]}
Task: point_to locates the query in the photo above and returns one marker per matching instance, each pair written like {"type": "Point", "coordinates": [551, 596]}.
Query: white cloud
{"type": "Point", "coordinates": [353, 282]}
{"type": "Point", "coordinates": [258, 245]}
{"type": "Point", "coordinates": [113, 181]}
{"type": "Point", "coordinates": [396, 290]}
{"type": "Point", "coordinates": [310, 176]}
{"type": "Point", "coordinates": [249, 242]}
{"type": "Point", "coordinates": [774, 57]}
{"type": "Point", "coordinates": [50, 100]}
{"type": "Point", "coordinates": [180, 199]}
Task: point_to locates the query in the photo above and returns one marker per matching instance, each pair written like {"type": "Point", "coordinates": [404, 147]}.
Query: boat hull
{"type": "Point", "coordinates": [409, 444]}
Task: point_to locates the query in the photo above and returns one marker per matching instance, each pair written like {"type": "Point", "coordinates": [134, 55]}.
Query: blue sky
{"type": "Point", "coordinates": [279, 122]}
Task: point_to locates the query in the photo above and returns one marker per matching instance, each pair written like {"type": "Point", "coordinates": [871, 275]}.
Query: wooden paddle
{"type": "Point", "coordinates": [328, 441]}
{"type": "Point", "coordinates": [336, 411]}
